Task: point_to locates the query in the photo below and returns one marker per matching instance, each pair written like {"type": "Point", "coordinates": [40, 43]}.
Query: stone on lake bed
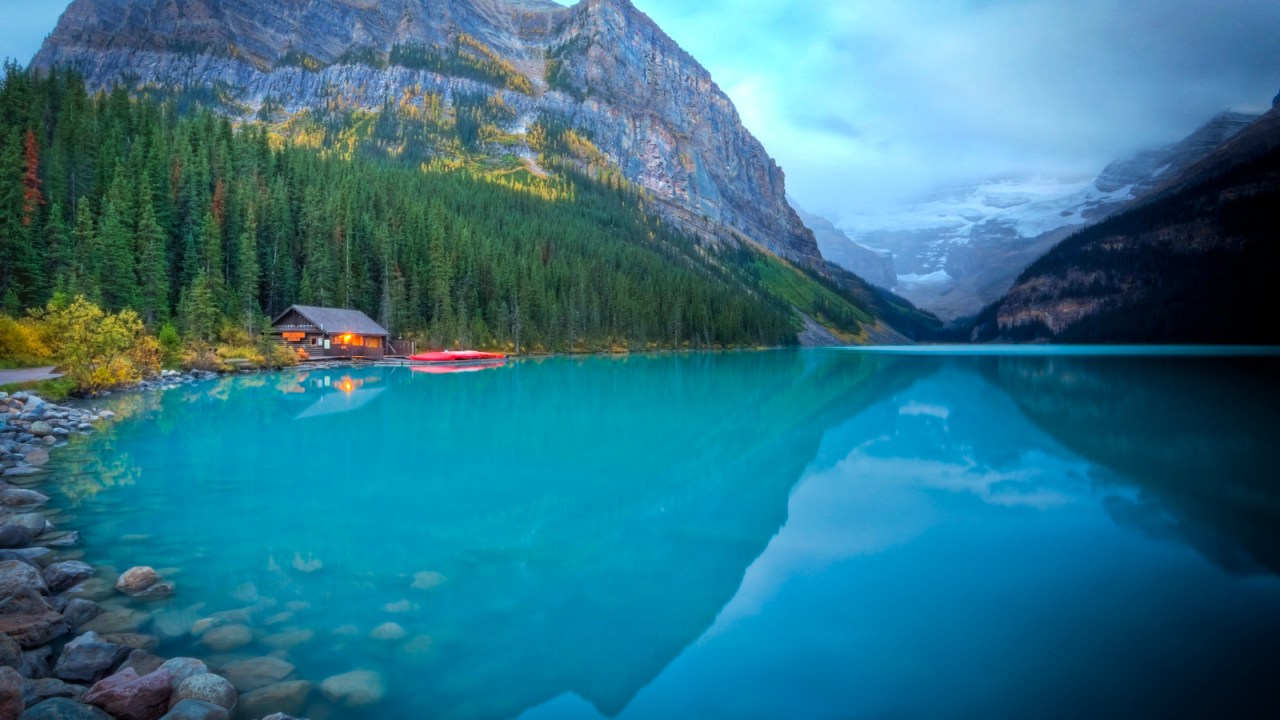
{"type": "Point", "coordinates": [80, 611]}
{"type": "Point", "coordinates": [143, 661]}
{"type": "Point", "coordinates": [204, 625]}
{"type": "Point", "coordinates": [118, 621]}
{"type": "Point", "coordinates": [196, 710]}
{"type": "Point", "coordinates": [428, 580]}
{"type": "Point", "coordinates": [226, 638]}
{"type": "Point", "coordinates": [403, 606]}
{"type": "Point", "coordinates": [63, 709]}
{"type": "Point", "coordinates": [249, 675]}
{"type": "Point", "coordinates": [38, 457]}
{"type": "Point", "coordinates": [286, 697]}
{"type": "Point", "coordinates": [354, 689]}
{"type": "Point", "coordinates": [388, 631]}
{"type": "Point", "coordinates": [94, 588]}
{"type": "Point", "coordinates": [279, 618]}
{"type": "Point", "coordinates": [130, 696]}
{"type": "Point", "coordinates": [136, 580]}
{"type": "Point", "coordinates": [37, 691]}
{"type": "Point", "coordinates": [347, 631]}
{"type": "Point", "coordinates": [288, 639]}
{"type": "Point", "coordinates": [209, 688]}
{"type": "Point", "coordinates": [134, 640]}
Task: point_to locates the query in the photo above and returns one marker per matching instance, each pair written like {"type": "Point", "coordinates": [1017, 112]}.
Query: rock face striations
{"type": "Point", "coordinates": [601, 66]}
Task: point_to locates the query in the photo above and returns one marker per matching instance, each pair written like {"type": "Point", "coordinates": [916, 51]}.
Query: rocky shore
{"type": "Point", "coordinates": [73, 646]}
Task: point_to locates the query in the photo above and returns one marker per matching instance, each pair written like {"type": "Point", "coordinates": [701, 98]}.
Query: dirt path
{"type": "Point", "coordinates": [24, 375]}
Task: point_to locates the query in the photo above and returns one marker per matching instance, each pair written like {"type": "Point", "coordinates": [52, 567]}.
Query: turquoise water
{"type": "Point", "coordinates": [799, 534]}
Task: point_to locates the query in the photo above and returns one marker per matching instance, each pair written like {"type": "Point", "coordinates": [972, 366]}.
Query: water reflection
{"type": "Point", "coordinates": [1197, 436]}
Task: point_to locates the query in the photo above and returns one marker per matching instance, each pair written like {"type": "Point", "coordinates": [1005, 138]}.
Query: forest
{"type": "Point", "coordinates": [196, 224]}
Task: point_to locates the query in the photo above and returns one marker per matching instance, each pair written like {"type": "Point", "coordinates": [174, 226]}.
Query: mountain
{"type": "Point", "coordinates": [1195, 263]}
{"type": "Point", "coordinates": [962, 248]}
{"type": "Point", "coordinates": [639, 104]}
{"type": "Point", "coordinates": [874, 266]}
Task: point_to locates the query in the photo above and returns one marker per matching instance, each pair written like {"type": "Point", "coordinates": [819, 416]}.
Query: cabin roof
{"type": "Point", "coordinates": [336, 321]}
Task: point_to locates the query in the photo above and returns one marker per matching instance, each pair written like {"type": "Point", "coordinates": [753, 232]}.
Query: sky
{"type": "Point", "coordinates": [869, 103]}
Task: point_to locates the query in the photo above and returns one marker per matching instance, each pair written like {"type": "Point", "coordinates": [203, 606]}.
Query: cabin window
{"type": "Point", "coordinates": [294, 337]}
{"type": "Point", "coordinates": [315, 341]}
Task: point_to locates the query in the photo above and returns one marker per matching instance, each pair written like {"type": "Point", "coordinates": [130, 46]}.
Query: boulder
{"type": "Point", "coordinates": [181, 668]}
{"type": "Point", "coordinates": [37, 557]}
{"type": "Point", "coordinates": [40, 428]}
{"type": "Point", "coordinates": [130, 696]}
{"type": "Point", "coordinates": [89, 658]}
{"type": "Point", "coordinates": [136, 580]}
{"type": "Point", "coordinates": [11, 702]}
{"type": "Point", "coordinates": [196, 710]}
{"type": "Point", "coordinates": [19, 497]}
{"type": "Point", "coordinates": [249, 675]}
{"type": "Point", "coordinates": [65, 575]}
{"type": "Point", "coordinates": [209, 688]}
{"type": "Point", "coordinates": [226, 638]}
{"type": "Point", "coordinates": [35, 522]}
{"type": "Point", "coordinates": [80, 611]}
{"type": "Point", "coordinates": [357, 688]}
{"type": "Point", "coordinates": [94, 588]}
{"type": "Point", "coordinates": [120, 620]}
{"type": "Point", "coordinates": [16, 575]}
{"type": "Point", "coordinates": [31, 631]}
{"type": "Point", "coordinates": [286, 697]}
{"type": "Point", "coordinates": [37, 663]}
{"type": "Point", "coordinates": [143, 662]}
{"type": "Point", "coordinates": [63, 709]}
{"type": "Point", "coordinates": [15, 536]}
{"type": "Point", "coordinates": [10, 652]}
{"type": "Point", "coordinates": [26, 601]}
{"type": "Point", "coordinates": [35, 692]}
{"type": "Point", "coordinates": [162, 590]}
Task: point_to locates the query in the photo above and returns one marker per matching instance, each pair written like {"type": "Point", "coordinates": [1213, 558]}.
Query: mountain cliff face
{"type": "Point", "coordinates": [602, 66]}
{"type": "Point", "coordinates": [1193, 264]}
{"type": "Point", "coordinates": [874, 266]}
{"type": "Point", "coordinates": [962, 249]}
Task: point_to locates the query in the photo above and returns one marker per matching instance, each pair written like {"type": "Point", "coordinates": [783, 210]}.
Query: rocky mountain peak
{"type": "Point", "coordinates": [602, 66]}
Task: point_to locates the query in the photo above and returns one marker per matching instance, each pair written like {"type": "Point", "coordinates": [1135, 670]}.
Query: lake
{"type": "Point", "coordinates": [799, 534]}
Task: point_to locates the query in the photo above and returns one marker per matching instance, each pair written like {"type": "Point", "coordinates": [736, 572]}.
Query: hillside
{"type": "Point", "coordinates": [1194, 264]}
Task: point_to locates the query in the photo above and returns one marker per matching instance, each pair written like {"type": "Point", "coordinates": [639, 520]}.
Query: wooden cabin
{"type": "Point", "coordinates": [331, 333]}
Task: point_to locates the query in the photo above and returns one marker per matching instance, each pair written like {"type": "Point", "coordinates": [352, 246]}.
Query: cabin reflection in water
{"type": "Point", "coordinates": [335, 392]}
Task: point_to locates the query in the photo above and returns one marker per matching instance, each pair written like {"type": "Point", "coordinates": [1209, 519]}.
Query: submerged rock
{"type": "Point", "coordinates": [130, 696]}
{"type": "Point", "coordinates": [137, 580]}
{"type": "Point", "coordinates": [388, 631]}
{"type": "Point", "coordinates": [18, 497]}
{"type": "Point", "coordinates": [65, 575]}
{"type": "Point", "coordinates": [357, 688]}
{"type": "Point", "coordinates": [118, 621]}
{"type": "Point", "coordinates": [35, 692]}
{"type": "Point", "coordinates": [249, 675]}
{"type": "Point", "coordinates": [289, 639]}
{"type": "Point", "coordinates": [196, 710]}
{"type": "Point", "coordinates": [80, 611]}
{"type": "Point", "coordinates": [181, 668]}
{"type": "Point", "coordinates": [143, 661]}
{"type": "Point", "coordinates": [286, 697]}
{"type": "Point", "coordinates": [226, 638]}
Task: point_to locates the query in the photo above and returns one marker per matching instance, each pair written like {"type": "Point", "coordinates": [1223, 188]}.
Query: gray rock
{"type": "Point", "coordinates": [37, 691]}
{"type": "Point", "coordinates": [35, 522]}
{"type": "Point", "coordinates": [37, 663]}
{"type": "Point", "coordinates": [80, 611]}
{"type": "Point", "coordinates": [15, 576]}
{"type": "Point", "coordinates": [286, 697]}
{"type": "Point", "coordinates": [196, 710]}
{"type": "Point", "coordinates": [89, 658]}
{"type": "Point", "coordinates": [37, 556]}
{"type": "Point", "coordinates": [63, 709]}
{"type": "Point", "coordinates": [162, 590]}
{"type": "Point", "coordinates": [249, 675]}
{"type": "Point", "coordinates": [40, 428]}
{"type": "Point", "coordinates": [11, 702]}
{"type": "Point", "coordinates": [15, 536]}
{"type": "Point", "coordinates": [208, 688]}
{"type": "Point", "coordinates": [32, 631]}
{"type": "Point", "coordinates": [65, 575]}
{"type": "Point", "coordinates": [143, 662]}
{"type": "Point", "coordinates": [25, 602]}
{"type": "Point", "coordinates": [227, 638]}
{"type": "Point", "coordinates": [68, 539]}
{"type": "Point", "coordinates": [22, 471]}
{"type": "Point", "coordinates": [38, 457]}
{"type": "Point", "coordinates": [138, 641]}
{"type": "Point", "coordinates": [18, 497]}
{"type": "Point", "coordinates": [92, 589]}
{"type": "Point", "coordinates": [357, 688]}
{"type": "Point", "coordinates": [10, 652]}
{"type": "Point", "coordinates": [118, 621]}
{"type": "Point", "coordinates": [181, 668]}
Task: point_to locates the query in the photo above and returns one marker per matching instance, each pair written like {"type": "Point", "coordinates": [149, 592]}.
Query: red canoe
{"type": "Point", "coordinates": [456, 356]}
{"type": "Point", "coordinates": [451, 368]}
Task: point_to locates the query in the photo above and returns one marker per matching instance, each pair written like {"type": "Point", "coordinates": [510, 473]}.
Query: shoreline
{"type": "Point", "coordinates": [71, 644]}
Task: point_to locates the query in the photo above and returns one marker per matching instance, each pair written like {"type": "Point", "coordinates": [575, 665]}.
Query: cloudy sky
{"type": "Point", "coordinates": [866, 103]}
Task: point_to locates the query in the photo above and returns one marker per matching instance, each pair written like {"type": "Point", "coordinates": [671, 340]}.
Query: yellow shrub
{"type": "Point", "coordinates": [22, 341]}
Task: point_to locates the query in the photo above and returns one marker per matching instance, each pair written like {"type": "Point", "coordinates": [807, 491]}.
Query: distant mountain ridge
{"type": "Point", "coordinates": [963, 248]}
{"type": "Point", "coordinates": [1195, 263]}
{"type": "Point", "coordinates": [874, 266]}
{"type": "Point", "coordinates": [602, 66]}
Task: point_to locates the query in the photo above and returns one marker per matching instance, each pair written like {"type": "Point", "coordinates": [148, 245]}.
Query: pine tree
{"type": "Point", "coordinates": [153, 270]}
{"type": "Point", "coordinates": [247, 275]}
{"type": "Point", "coordinates": [116, 258]}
